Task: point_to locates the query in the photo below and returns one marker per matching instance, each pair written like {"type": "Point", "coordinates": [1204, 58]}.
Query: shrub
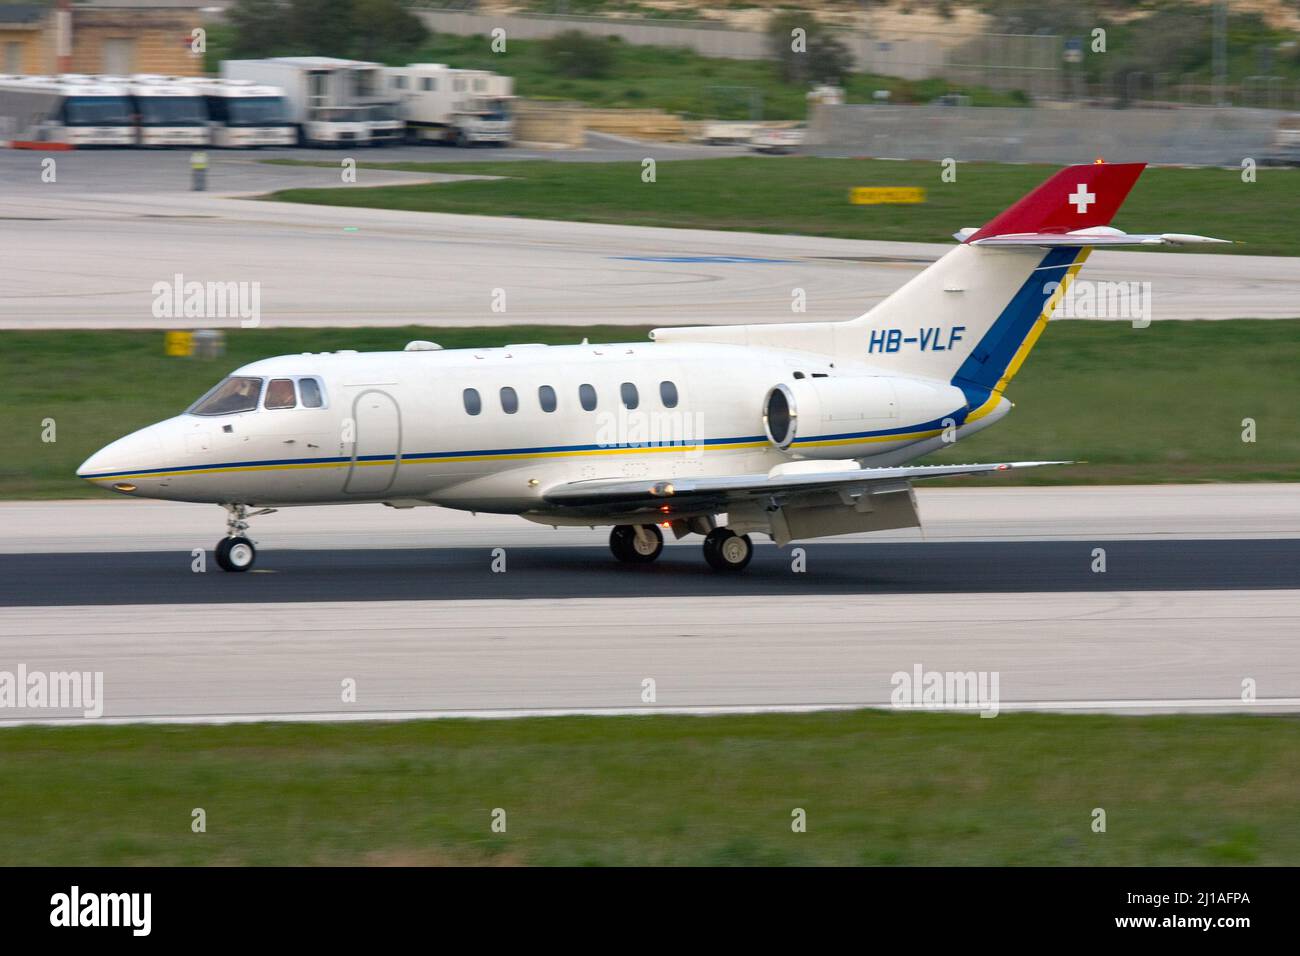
{"type": "Point", "coordinates": [578, 54]}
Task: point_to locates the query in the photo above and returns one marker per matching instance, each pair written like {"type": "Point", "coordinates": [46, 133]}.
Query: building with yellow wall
{"type": "Point", "coordinates": [98, 39]}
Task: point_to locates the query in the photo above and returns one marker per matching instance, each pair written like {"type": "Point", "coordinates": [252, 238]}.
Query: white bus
{"type": "Point", "coordinates": [465, 107]}
{"type": "Point", "coordinates": [73, 109]}
{"type": "Point", "coordinates": [244, 114]}
{"type": "Point", "coordinates": [169, 112]}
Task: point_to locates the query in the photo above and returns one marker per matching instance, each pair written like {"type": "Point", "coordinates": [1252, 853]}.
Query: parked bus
{"type": "Point", "coordinates": [243, 114]}
{"type": "Point", "coordinates": [73, 109]}
{"type": "Point", "coordinates": [169, 112]}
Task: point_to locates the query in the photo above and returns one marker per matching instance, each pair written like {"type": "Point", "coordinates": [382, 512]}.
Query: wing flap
{"type": "Point", "coordinates": [675, 492]}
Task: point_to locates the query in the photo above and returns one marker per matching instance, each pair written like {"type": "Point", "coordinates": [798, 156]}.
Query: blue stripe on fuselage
{"type": "Point", "coordinates": [989, 360]}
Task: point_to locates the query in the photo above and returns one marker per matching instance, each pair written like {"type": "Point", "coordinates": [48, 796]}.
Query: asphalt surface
{"type": "Point", "coordinates": [1200, 597]}
{"type": "Point", "coordinates": [565, 572]}
{"type": "Point", "coordinates": [87, 251]}
{"type": "Point", "coordinates": [1128, 652]}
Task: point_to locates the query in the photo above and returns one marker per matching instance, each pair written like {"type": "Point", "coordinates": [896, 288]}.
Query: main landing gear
{"type": "Point", "coordinates": [724, 550]}
{"type": "Point", "coordinates": [727, 551]}
{"type": "Point", "coordinates": [636, 543]}
{"type": "Point", "coordinates": [235, 552]}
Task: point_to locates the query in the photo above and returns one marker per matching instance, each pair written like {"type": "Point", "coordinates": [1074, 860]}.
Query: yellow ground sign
{"type": "Point", "coordinates": [886, 195]}
{"type": "Point", "coordinates": [178, 343]}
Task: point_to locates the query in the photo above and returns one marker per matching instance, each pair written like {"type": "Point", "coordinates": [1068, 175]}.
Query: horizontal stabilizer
{"type": "Point", "coordinates": [1097, 236]}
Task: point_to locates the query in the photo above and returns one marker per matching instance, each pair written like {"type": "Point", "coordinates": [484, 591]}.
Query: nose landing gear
{"type": "Point", "coordinates": [235, 552]}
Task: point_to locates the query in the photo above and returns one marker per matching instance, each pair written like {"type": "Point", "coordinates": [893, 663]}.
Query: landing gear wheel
{"type": "Point", "coordinates": [632, 548]}
{"type": "Point", "coordinates": [727, 551]}
{"type": "Point", "coordinates": [235, 554]}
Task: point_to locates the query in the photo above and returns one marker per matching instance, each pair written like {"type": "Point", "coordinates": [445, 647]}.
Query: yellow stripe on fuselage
{"type": "Point", "coordinates": [1040, 324]}
{"type": "Point", "coordinates": [505, 456]}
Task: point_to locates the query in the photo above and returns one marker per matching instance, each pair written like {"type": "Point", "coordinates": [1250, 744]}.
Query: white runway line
{"type": "Point", "coordinates": [1119, 652]}
{"type": "Point", "coordinates": [1268, 707]}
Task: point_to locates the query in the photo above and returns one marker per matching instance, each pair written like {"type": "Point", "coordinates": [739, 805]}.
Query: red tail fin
{"type": "Point", "coordinates": [1075, 198]}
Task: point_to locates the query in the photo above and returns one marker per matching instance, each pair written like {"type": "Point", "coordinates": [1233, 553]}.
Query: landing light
{"type": "Point", "coordinates": [124, 486]}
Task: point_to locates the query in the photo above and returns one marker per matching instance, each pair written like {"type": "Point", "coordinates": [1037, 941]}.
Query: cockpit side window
{"type": "Point", "coordinates": [238, 393]}
{"type": "Point", "coordinates": [279, 394]}
{"type": "Point", "coordinates": [309, 390]}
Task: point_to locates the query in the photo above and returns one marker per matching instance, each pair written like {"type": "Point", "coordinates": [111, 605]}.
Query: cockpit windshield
{"type": "Point", "coordinates": [238, 393]}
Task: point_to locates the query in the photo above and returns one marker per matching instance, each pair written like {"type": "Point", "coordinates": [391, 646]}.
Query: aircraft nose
{"type": "Point", "coordinates": [129, 455]}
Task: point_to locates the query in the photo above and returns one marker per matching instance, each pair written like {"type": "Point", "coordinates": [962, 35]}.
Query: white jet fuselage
{"type": "Point", "coordinates": [394, 426]}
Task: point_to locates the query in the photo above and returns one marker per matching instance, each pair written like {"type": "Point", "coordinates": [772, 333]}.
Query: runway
{"type": "Point", "coordinates": [90, 258]}
{"type": "Point", "coordinates": [555, 573]}
{"type": "Point", "coordinates": [1128, 652]}
{"type": "Point", "coordinates": [1199, 598]}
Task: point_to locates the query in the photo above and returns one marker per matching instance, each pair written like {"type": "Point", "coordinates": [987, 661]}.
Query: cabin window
{"type": "Point", "coordinates": [798, 375]}
{"type": "Point", "coordinates": [428, 83]}
{"type": "Point", "coordinates": [460, 85]}
{"type": "Point", "coordinates": [546, 398]}
{"type": "Point", "coordinates": [399, 82]}
{"type": "Point", "coordinates": [668, 394]}
{"type": "Point", "coordinates": [509, 400]}
{"type": "Point", "coordinates": [473, 404]}
{"type": "Point", "coordinates": [238, 393]}
{"type": "Point", "coordinates": [279, 394]}
{"type": "Point", "coordinates": [587, 395]}
{"type": "Point", "coordinates": [309, 391]}
{"type": "Point", "coordinates": [630, 398]}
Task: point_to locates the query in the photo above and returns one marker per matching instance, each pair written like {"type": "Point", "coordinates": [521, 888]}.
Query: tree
{"type": "Point", "coordinates": [358, 29]}
{"type": "Point", "coordinates": [259, 27]}
{"type": "Point", "coordinates": [384, 28]}
{"type": "Point", "coordinates": [805, 50]}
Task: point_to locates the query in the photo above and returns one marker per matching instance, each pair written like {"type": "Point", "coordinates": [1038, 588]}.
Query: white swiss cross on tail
{"type": "Point", "coordinates": [1082, 199]}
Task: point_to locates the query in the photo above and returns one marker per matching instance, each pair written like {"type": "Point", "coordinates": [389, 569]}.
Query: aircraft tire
{"type": "Point", "coordinates": [235, 554]}
{"type": "Point", "coordinates": [727, 551]}
{"type": "Point", "coordinates": [623, 542]}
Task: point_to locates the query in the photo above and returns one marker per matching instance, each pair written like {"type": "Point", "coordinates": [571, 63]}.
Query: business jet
{"type": "Point", "coordinates": [795, 430]}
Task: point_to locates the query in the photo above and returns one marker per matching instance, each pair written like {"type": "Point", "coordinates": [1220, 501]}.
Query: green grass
{"type": "Point", "coordinates": [809, 196]}
{"type": "Point", "coordinates": [1139, 405]}
{"type": "Point", "coordinates": [877, 788]}
{"type": "Point", "coordinates": [1164, 403]}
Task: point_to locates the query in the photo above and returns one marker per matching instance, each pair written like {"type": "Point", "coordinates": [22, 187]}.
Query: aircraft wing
{"type": "Point", "coordinates": [690, 494]}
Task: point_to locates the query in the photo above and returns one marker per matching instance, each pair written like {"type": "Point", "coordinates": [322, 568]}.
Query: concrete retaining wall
{"type": "Point", "coordinates": [1194, 136]}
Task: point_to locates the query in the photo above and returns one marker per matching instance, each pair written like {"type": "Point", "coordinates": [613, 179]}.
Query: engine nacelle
{"type": "Point", "coordinates": [836, 409]}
